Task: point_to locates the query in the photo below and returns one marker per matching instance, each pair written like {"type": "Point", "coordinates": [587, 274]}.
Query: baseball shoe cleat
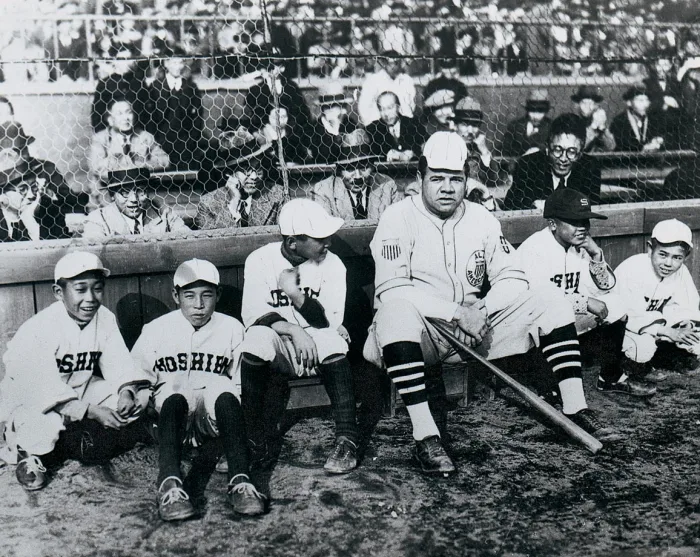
{"type": "Point", "coordinates": [31, 473]}
{"type": "Point", "coordinates": [222, 465]}
{"type": "Point", "coordinates": [432, 457]}
{"type": "Point", "coordinates": [343, 458]}
{"type": "Point", "coordinates": [587, 420]}
{"type": "Point", "coordinates": [244, 497]}
{"type": "Point", "coordinates": [173, 501]}
{"type": "Point", "coordinates": [626, 386]}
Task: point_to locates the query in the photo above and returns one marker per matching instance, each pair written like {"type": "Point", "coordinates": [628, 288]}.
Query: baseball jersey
{"type": "Point", "coordinates": [544, 259]}
{"type": "Point", "coordinates": [652, 299]}
{"type": "Point", "coordinates": [51, 359]}
{"type": "Point", "coordinates": [444, 261]}
{"type": "Point", "coordinates": [171, 348]}
{"type": "Point", "coordinates": [324, 282]}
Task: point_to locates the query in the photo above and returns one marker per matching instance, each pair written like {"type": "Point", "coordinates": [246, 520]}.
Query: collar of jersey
{"type": "Point", "coordinates": [458, 214]}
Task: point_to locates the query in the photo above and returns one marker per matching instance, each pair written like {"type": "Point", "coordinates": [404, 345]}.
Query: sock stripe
{"type": "Point", "coordinates": [414, 389]}
{"type": "Point", "coordinates": [399, 367]}
{"type": "Point", "coordinates": [559, 344]}
{"type": "Point", "coordinates": [576, 353]}
{"type": "Point", "coordinates": [566, 364]}
{"type": "Point", "coordinates": [406, 373]}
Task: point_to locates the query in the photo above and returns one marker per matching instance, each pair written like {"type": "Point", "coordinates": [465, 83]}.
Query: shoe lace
{"type": "Point", "coordinates": [342, 449]}
{"type": "Point", "coordinates": [244, 488]}
{"type": "Point", "coordinates": [434, 448]}
{"type": "Point", "coordinates": [34, 465]}
{"type": "Point", "coordinates": [174, 495]}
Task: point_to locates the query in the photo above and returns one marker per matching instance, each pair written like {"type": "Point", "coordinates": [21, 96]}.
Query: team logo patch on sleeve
{"type": "Point", "coordinates": [476, 268]}
{"type": "Point", "coordinates": [391, 249]}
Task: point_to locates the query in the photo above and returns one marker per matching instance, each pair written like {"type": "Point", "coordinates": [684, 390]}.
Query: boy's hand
{"type": "Point", "coordinates": [305, 349]}
{"type": "Point", "coordinates": [598, 308]}
{"type": "Point", "coordinates": [126, 405]}
{"type": "Point", "coordinates": [105, 416]}
{"type": "Point", "coordinates": [680, 336]}
{"type": "Point", "coordinates": [288, 282]}
{"type": "Point", "coordinates": [592, 248]}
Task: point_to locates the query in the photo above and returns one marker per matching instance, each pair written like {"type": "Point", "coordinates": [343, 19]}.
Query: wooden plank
{"type": "Point", "coordinates": [307, 393]}
{"type": "Point", "coordinates": [619, 248]}
{"type": "Point", "coordinates": [16, 306]}
{"type": "Point", "coordinates": [156, 295]}
{"type": "Point", "coordinates": [43, 295]}
{"type": "Point", "coordinates": [231, 291]}
{"type": "Point", "coordinates": [685, 211]}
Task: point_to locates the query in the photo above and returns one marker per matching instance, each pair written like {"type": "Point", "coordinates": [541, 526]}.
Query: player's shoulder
{"type": "Point", "coordinates": [477, 215]}
{"type": "Point", "coordinates": [637, 262]}
{"type": "Point", "coordinates": [226, 321]}
{"type": "Point", "coordinates": [266, 252]}
{"type": "Point", "coordinates": [333, 261]}
{"type": "Point", "coordinates": [536, 239]}
{"type": "Point", "coordinates": [397, 211]}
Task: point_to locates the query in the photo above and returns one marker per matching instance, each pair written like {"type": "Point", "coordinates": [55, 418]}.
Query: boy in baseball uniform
{"type": "Point", "coordinates": [433, 252]}
{"type": "Point", "coordinates": [293, 306]}
{"type": "Point", "coordinates": [662, 298]}
{"type": "Point", "coordinates": [70, 386]}
{"type": "Point", "coordinates": [564, 254]}
{"type": "Point", "coordinates": [193, 352]}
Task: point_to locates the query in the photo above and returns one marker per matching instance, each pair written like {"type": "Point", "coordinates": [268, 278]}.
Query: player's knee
{"type": "Point", "coordinates": [640, 349]}
{"type": "Point", "coordinates": [557, 306]}
{"type": "Point", "coordinates": [398, 320]}
{"type": "Point", "coordinates": [260, 342]}
{"type": "Point", "coordinates": [176, 403]}
{"type": "Point", "coordinates": [226, 402]}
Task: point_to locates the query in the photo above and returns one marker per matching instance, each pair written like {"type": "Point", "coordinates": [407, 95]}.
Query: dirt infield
{"type": "Point", "coordinates": [522, 490]}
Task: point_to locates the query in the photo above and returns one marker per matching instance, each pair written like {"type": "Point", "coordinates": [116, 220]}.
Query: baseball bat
{"type": "Point", "coordinates": [574, 431]}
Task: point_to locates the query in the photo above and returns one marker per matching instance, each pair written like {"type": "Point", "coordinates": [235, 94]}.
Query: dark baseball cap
{"type": "Point", "coordinates": [568, 204]}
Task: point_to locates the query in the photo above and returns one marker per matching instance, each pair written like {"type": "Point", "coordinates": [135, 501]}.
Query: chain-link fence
{"type": "Point", "coordinates": [130, 123]}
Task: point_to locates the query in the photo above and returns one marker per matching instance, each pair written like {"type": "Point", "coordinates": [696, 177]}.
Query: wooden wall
{"type": "Point", "coordinates": [139, 289]}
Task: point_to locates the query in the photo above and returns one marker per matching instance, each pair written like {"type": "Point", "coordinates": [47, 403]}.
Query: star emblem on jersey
{"type": "Point", "coordinates": [391, 249]}
{"type": "Point", "coordinates": [476, 268]}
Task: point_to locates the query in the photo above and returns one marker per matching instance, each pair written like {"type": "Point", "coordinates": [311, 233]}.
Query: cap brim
{"type": "Point", "coordinates": [244, 158]}
{"type": "Point", "coordinates": [130, 184]}
{"type": "Point", "coordinates": [331, 227]}
{"type": "Point", "coordinates": [575, 216]}
{"type": "Point", "coordinates": [345, 100]}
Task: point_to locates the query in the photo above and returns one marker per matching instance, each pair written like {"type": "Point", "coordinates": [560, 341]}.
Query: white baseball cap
{"type": "Point", "coordinates": [303, 216]}
{"type": "Point", "coordinates": [76, 263]}
{"type": "Point", "coordinates": [194, 270]}
{"type": "Point", "coordinates": [672, 230]}
{"type": "Point", "coordinates": [445, 151]}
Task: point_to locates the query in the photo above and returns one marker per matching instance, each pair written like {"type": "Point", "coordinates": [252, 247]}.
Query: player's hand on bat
{"type": "Point", "coordinates": [598, 308]}
{"type": "Point", "coordinates": [126, 405]}
{"type": "Point", "coordinates": [474, 323]}
{"type": "Point", "coordinates": [105, 416]}
{"type": "Point", "coordinates": [305, 349]}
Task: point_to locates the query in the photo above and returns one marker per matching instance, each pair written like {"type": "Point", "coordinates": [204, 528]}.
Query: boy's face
{"type": "Point", "coordinates": [666, 259]}
{"type": "Point", "coordinates": [82, 295]}
{"type": "Point", "coordinates": [197, 301]}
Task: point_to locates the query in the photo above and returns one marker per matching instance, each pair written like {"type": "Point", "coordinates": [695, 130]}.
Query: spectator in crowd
{"type": "Point", "coordinates": [446, 79]}
{"type": "Point", "coordinates": [636, 129]}
{"type": "Point", "coordinates": [249, 193]}
{"type": "Point", "coordinates": [562, 164]}
{"type": "Point", "coordinates": [332, 124]}
{"type": "Point", "coordinates": [174, 112]}
{"type": "Point", "coordinates": [122, 145]}
{"type": "Point", "coordinates": [484, 49]}
{"type": "Point", "coordinates": [467, 40]}
{"type": "Point", "coordinates": [34, 196]}
{"type": "Point", "coordinates": [356, 191]}
{"type": "Point", "coordinates": [665, 96]}
{"type": "Point", "coordinates": [395, 137]}
{"type": "Point", "coordinates": [132, 209]}
{"type": "Point", "coordinates": [439, 112]}
{"type": "Point", "coordinates": [689, 79]}
{"type": "Point", "coordinates": [587, 105]}
{"type": "Point", "coordinates": [390, 77]}
{"type": "Point", "coordinates": [71, 40]}
{"type": "Point", "coordinates": [512, 58]}
{"type": "Point", "coordinates": [124, 80]}
{"type": "Point", "coordinates": [277, 130]}
{"type": "Point", "coordinates": [7, 111]}
{"type": "Point", "coordinates": [397, 36]}
{"type": "Point", "coordinates": [531, 131]}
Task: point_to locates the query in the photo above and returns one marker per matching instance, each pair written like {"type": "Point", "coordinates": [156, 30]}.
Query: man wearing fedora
{"type": "Point", "coordinates": [34, 197]}
{"type": "Point", "coordinates": [529, 132]}
{"type": "Point", "coordinates": [439, 112]}
{"type": "Point", "coordinates": [278, 130]}
{"type": "Point", "coordinates": [332, 124]}
{"type": "Point", "coordinates": [132, 210]}
{"type": "Point", "coordinates": [248, 195]}
{"type": "Point", "coordinates": [636, 129]}
{"type": "Point", "coordinates": [356, 191]}
{"type": "Point", "coordinates": [395, 137]}
{"type": "Point", "coordinates": [587, 105]}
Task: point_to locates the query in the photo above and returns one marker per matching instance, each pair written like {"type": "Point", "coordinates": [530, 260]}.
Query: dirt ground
{"type": "Point", "coordinates": [522, 490]}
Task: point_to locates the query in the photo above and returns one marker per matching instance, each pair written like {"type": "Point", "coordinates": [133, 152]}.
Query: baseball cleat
{"type": "Point", "coordinates": [432, 457]}
{"type": "Point", "coordinates": [626, 386]}
{"type": "Point", "coordinates": [587, 420]}
{"type": "Point", "coordinates": [244, 497]}
{"type": "Point", "coordinates": [173, 501]}
{"type": "Point", "coordinates": [31, 473]}
{"type": "Point", "coordinates": [343, 459]}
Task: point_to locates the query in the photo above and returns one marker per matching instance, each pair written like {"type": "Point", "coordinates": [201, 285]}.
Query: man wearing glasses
{"type": "Point", "coordinates": [561, 165]}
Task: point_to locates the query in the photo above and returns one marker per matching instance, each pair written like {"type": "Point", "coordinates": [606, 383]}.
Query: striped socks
{"type": "Point", "coordinates": [563, 354]}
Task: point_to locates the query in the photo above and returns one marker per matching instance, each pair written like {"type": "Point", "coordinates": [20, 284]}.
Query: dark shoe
{"type": "Point", "coordinates": [626, 386]}
{"type": "Point", "coordinates": [222, 465]}
{"type": "Point", "coordinates": [587, 420]}
{"type": "Point", "coordinates": [31, 473]}
{"type": "Point", "coordinates": [343, 459]}
{"type": "Point", "coordinates": [173, 501]}
{"type": "Point", "coordinates": [432, 457]}
{"type": "Point", "coordinates": [656, 375]}
{"type": "Point", "coordinates": [243, 496]}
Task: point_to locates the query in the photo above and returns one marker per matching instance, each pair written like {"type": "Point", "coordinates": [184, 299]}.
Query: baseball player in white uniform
{"type": "Point", "coordinates": [564, 254]}
{"type": "Point", "coordinates": [433, 252]}
{"type": "Point", "coordinates": [193, 353]}
{"type": "Point", "coordinates": [663, 300]}
{"type": "Point", "coordinates": [70, 385]}
{"type": "Point", "coordinates": [293, 305]}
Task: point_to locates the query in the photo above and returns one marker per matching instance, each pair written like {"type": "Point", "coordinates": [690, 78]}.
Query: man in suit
{"type": "Point", "coordinates": [356, 191]}
{"type": "Point", "coordinates": [562, 164]}
{"type": "Point", "coordinates": [636, 129]}
{"type": "Point", "coordinates": [530, 132]}
{"type": "Point", "coordinates": [395, 137]}
{"type": "Point", "coordinates": [587, 105]}
{"type": "Point", "coordinates": [332, 124]}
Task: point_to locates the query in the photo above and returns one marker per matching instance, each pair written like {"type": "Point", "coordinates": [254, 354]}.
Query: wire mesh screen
{"type": "Point", "coordinates": [153, 118]}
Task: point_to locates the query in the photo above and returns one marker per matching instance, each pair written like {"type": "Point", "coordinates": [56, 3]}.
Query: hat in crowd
{"type": "Point", "coordinates": [672, 230]}
{"type": "Point", "coordinates": [331, 94]}
{"type": "Point", "coordinates": [440, 98]}
{"type": "Point", "coordinates": [468, 110]}
{"type": "Point", "coordinates": [128, 178]}
{"type": "Point", "coordinates": [355, 147]}
{"type": "Point", "coordinates": [569, 204]}
{"type": "Point", "coordinates": [537, 101]}
{"type": "Point", "coordinates": [12, 136]}
{"type": "Point", "coordinates": [689, 65]}
{"type": "Point", "coordinates": [76, 263]}
{"type": "Point", "coordinates": [587, 92]}
{"type": "Point", "coordinates": [635, 91]}
{"type": "Point", "coordinates": [302, 216]}
{"type": "Point", "coordinates": [445, 151]}
{"type": "Point", "coordinates": [194, 270]}
{"type": "Point", "coordinates": [24, 171]}
{"type": "Point", "coordinates": [244, 149]}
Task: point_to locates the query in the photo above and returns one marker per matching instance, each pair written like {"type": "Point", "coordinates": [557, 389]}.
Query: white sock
{"type": "Point", "coordinates": [422, 421]}
{"type": "Point", "coordinates": [572, 396]}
